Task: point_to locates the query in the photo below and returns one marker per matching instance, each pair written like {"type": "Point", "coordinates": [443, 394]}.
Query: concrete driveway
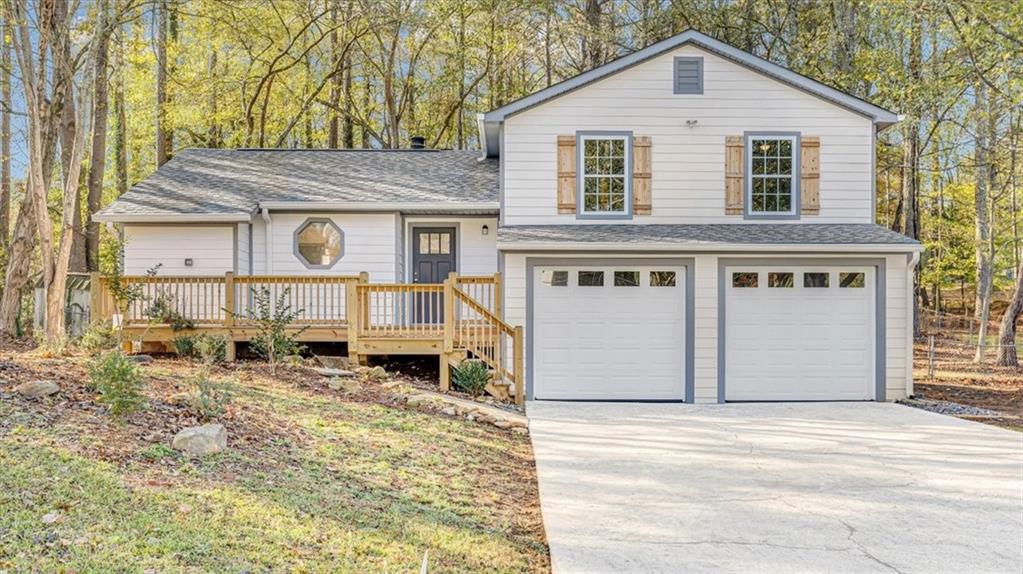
{"type": "Point", "coordinates": [799, 487]}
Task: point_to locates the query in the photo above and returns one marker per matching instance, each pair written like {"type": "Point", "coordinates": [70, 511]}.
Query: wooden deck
{"type": "Point", "coordinates": [456, 319]}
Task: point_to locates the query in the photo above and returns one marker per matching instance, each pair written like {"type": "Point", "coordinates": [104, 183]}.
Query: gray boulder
{"type": "Point", "coordinates": [37, 389]}
{"type": "Point", "coordinates": [201, 440]}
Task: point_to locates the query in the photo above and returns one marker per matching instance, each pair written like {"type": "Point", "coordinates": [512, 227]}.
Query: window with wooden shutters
{"type": "Point", "coordinates": [641, 175]}
{"type": "Point", "coordinates": [566, 174]}
{"type": "Point", "coordinates": [810, 175]}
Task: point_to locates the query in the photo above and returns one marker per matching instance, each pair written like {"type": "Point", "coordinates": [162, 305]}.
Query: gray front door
{"type": "Point", "coordinates": [433, 257]}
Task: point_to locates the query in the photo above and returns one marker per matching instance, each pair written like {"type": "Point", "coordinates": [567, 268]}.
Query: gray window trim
{"type": "Point", "coordinates": [579, 137]}
{"type": "Point", "coordinates": [748, 175]}
{"type": "Point", "coordinates": [880, 309]}
{"type": "Point", "coordinates": [294, 242]}
{"type": "Point", "coordinates": [688, 263]}
{"type": "Point", "coordinates": [676, 88]}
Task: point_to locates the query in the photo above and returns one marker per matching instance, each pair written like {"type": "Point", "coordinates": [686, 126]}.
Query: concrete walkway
{"type": "Point", "coordinates": [799, 487]}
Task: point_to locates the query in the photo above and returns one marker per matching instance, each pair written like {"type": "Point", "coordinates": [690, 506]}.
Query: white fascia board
{"type": "Point", "coordinates": [365, 206]}
{"type": "Point", "coordinates": [174, 218]}
{"type": "Point", "coordinates": [703, 247]}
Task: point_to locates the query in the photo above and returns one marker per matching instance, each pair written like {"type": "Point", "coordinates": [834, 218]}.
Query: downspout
{"type": "Point", "coordinates": [268, 233]}
{"type": "Point", "coordinates": [914, 258]}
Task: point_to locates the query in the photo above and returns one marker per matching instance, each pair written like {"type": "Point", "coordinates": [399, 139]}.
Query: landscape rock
{"type": "Point", "coordinates": [344, 384]}
{"type": "Point", "coordinates": [342, 363]}
{"type": "Point", "coordinates": [201, 440]}
{"type": "Point", "coordinates": [502, 424]}
{"type": "Point", "coordinates": [141, 359]}
{"type": "Point", "coordinates": [418, 400]}
{"type": "Point", "coordinates": [37, 389]}
{"type": "Point", "coordinates": [450, 411]}
{"type": "Point", "coordinates": [51, 517]}
{"type": "Point", "coordinates": [376, 374]}
{"type": "Point", "coordinates": [332, 372]}
{"type": "Point", "coordinates": [520, 430]}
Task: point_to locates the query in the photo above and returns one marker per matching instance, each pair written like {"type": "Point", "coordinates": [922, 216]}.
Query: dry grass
{"type": "Point", "coordinates": [313, 480]}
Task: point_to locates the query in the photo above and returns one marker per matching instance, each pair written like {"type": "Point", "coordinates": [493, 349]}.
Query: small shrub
{"type": "Point", "coordinates": [210, 397]}
{"type": "Point", "coordinates": [273, 318]}
{"type": "Point", "coordinates": [98, 337]}
{"type": "Point", "coordinates": [161, 310]}
{"type": "Point", "coordinates": [471, 376]}
{"type": "Point", "coordinates": [158, 451]}
{"type": "Point", "coordinates": [184, 346]}
{"type": "Point", "coordinates": [211, 349]}
{"type": "Point", "coordinates": [116, 377]}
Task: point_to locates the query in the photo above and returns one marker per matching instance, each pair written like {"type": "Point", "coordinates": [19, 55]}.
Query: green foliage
{"type": "Point", "coordinates": [470, 376]}
{"type": "Point", "coordinates": [98, 337]}
{"type": "Point", "coordinates": [209, 396]}
{"type": "Point", "coordinates": [273, 318]}
{"type": "Point", "coordinates": [158, 451]}
{"type": "Point", "coordinates": [161, 310]}
{"type": "Point", "coordinates": [116, 377]}
{"type": "Point", "coordinates": [210, 349]}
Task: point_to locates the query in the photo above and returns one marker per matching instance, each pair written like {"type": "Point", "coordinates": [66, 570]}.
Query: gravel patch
{"type": "Point", "coordinates": [949, 408]}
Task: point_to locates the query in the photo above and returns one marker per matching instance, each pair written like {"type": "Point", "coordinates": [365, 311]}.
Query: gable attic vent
{"type": "Point", "coordinates": [688, 75]}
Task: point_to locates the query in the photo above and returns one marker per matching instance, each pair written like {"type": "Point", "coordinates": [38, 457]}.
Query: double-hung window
{"type": "Point", "coordinates": [772, 189]}
{"type": "Point", "coordinates": [604, 175]}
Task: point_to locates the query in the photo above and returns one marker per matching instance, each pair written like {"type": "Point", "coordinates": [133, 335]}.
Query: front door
{"type": "Point", "coordinates": [433, 257]}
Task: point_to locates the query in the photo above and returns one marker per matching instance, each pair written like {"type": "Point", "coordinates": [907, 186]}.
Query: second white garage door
{"type": "Point", "coordinates": [609, 333]}
{"type": "Point", "coordinates": [799, 333]}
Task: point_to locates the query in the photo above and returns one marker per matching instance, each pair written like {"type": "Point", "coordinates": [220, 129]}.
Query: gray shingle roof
{"type": "Point", "coordinates": [225, 182]}
{"type": "Point", "coordinates": [707, 234]}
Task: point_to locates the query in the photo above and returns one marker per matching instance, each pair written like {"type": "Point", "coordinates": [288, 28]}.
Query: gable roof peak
{"type": "Point", "coordinates": [490, 122]}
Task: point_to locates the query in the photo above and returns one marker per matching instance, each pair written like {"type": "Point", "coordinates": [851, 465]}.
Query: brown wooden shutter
{"type": "Point", "coordinates": [641, 202]}
{"type": "Point", "coordinates": [810, 175]}
{"type": "Point", "coordinates": [566, 174]}
{"type": "Point", "coordinates": [733, 175]}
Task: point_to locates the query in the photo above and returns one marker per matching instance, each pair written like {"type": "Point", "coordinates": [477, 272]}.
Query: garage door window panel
{"type": "Point", "coordinates": [744, 280]}
{"type": "Point", "coordinates": [662, 278]}
{"type": "Point", "coordinates": [626, 278]}
{"type": "Point", "coordinates": [783, 280]}
{"type": "Point", "coordinates": [815, 280]}
{"type": "Point", "coordinates": [852, 280]}
{"type": "Point", "coordinates": [554, 278]}
{"type": "Point", "coordinates": [591, 278]}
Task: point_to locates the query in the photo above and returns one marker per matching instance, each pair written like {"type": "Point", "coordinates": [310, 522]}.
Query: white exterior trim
{"type": "Point", "coordinates": [681, 247]}
{"type": "Point", "coordinates": [365, 206]}
{"type": "Point", "coordinates": [174, 218]}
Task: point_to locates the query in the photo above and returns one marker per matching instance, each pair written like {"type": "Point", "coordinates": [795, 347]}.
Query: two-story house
{"type": "Point", "coordinates": [687, 223]}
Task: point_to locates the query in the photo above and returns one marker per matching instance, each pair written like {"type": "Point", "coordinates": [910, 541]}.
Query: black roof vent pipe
{"type": "Point", "coordinates": [418, 142]}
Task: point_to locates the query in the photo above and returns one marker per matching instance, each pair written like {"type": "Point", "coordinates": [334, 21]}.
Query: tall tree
{"type": "Point", "coordinates": [5, 139]}
{"type": "Point", "coordinates": [1006, 355]}
{"type": "Point", "coordinates": [98, 152]}
{"type": "Point", "coordinates": [164, 143]}
{"type": "Point", "coordinates": [982, 217]}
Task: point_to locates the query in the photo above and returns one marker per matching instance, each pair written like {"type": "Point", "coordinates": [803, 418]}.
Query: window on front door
{"type": "Point", "coordinates": [604, 176]}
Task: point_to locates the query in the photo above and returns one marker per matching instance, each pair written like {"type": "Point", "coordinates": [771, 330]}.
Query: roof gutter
{"type": "Point", "coordinates": [173, 218]}
{"type": "Point", "coordinates": [710, 247]}
{"type": "Point", "coordinates": [446, 206]}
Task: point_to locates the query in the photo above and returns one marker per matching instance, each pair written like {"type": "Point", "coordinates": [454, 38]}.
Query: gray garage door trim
{"type": "Point", "coordinates": [879, 309]}
{"type": "Point", "coordinates": [686, 262]}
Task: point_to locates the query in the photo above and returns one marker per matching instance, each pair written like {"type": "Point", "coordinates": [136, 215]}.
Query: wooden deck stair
{"type": "Point", "coordinates": [457, 319]}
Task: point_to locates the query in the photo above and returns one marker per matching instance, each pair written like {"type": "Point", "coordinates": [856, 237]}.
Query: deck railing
{"type": "Point", "coordinates": [464, 312]}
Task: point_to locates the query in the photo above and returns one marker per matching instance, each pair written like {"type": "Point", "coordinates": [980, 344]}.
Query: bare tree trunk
{"type": "Point", "coordinates": [213, 131]}
{"type": "Point", "coordinates": [121, 132]}
{"type": "Point", "coordinates": [163, 142]}
{"type": "Point", "coordinates": [593, 49]}
{"type": "Point", "coordinates": [5, 143]}
{"type": "Point", "coordinates": [19, 259]}
{"type": "Point", "coordinates": [982, 155]}
{"type": "Point", "coordinates": [335, 82]}
{"type": "Point", "coordinates": [367, 97]}
{"type": "Point", "coordinates": [347, 125]}
{"type": "Point", "coordinates": [98, 153]}
{"type": "Point", "coordinates": [1007, 330]}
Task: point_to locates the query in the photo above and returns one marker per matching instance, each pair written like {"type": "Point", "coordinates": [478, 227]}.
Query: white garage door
{"type": "Point", "coordinates": [609, 333]}
{"type": "Point", "coordinates": [799, 333]}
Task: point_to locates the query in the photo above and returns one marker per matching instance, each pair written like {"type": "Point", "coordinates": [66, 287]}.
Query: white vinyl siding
{"type": "Point", "coordinates": [369, 245]}
{"type": "Point", "coordinates": [243, 249]}
{"type": "Point", "coordinates": [705, 320]}
{"type": "Point", "coordinates": [210, 247]}
{"type": "Point", "coordinates": [476, 253]}
{"type": "Point", "coordinates": [687, 163]}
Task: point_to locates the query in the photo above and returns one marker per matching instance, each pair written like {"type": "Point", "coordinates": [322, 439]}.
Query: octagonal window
{"type": "Point", "coordinates": [319, 243]}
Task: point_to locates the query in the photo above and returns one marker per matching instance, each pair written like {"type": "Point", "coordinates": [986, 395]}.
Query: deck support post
{"type": "Point", "coordinates": [353, 313]}
{"type": "Point", "coordinates": [498, 296]}
{"type": "Point", "coordinates": [449, 312]}
{"type": "Point", "coordinates": [517, 351]}
{"type": "Point", "coordinates": [445, 372]}
{"type": "Point", "coordinates": [229, 312]}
